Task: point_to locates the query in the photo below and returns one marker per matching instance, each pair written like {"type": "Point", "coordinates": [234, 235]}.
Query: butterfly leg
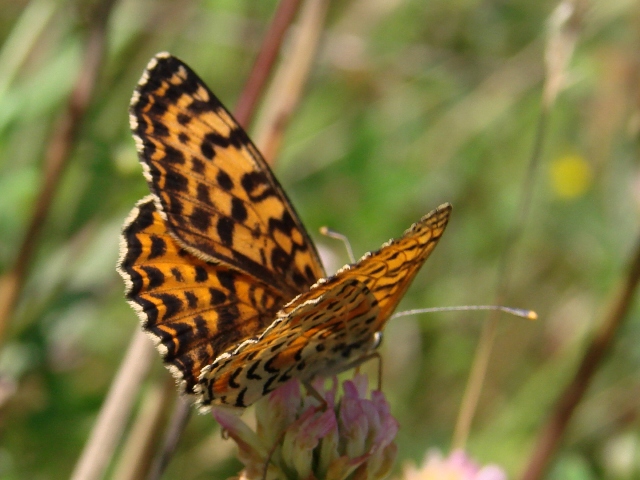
{"type": "Point", "coordinates": [361, 360]}
{"type": "Point", "coordinates": [272, 451]}
{"type": "Point", "coordinates": [315, 394]}
{"type": "Point", "coordinates": [370, 356]}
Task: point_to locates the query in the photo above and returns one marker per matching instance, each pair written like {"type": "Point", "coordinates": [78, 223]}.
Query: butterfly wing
{"type": "Point", "coordinates": [211, 185]}
{"type": "Point", "coordinates": [212, 256]}
{"type": "Point", "coordinates": [388, 272]}
{"type": "Point", "coordinates": [193, 310]}
{"type": "Point", "coordinates": [320, 334]}
{"type": "Point", "coordinates": [326, 329]}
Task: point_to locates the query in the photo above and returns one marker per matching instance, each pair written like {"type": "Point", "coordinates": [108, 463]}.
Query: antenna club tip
{"type": "Point", "coordinates": [532, 315]}
{"type": "Point", "coordinates": [324, 230]}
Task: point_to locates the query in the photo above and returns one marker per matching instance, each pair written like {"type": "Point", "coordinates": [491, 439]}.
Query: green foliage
{"type": "Point", "coordinates": [410, 104]}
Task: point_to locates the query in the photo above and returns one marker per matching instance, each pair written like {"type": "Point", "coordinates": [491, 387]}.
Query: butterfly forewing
{"type": "Point", "coordinates": [218, 196]}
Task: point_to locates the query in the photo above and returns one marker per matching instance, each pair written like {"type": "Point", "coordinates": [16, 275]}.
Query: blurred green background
{"type": "Point", "coordinates": [410, 103]}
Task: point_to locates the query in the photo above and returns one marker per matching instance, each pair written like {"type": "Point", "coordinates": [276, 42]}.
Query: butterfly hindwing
{"type": "Point", "coordinates": [324, 330]}
{"type": "Point", "coordinates": [193, 310]}
{"type": "Point", "coordinates": [321, 334]}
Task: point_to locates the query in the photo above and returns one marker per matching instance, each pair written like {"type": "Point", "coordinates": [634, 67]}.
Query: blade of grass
{"type": "Point", "coordinates": [139, 447]}
{"type": "Point", "coordinates": [22, 38]}
{"type": "Point", "coordinates": [177, 423]}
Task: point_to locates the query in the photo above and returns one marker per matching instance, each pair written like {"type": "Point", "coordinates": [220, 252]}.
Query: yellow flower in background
{"type": "Point", "coordinates": [570, 176]}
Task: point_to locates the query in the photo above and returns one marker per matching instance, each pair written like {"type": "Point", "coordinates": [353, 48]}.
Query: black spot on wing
{"type": "Point", "coordinates": [177, 274]}
{"type": "Point", "coordinates": [224, 180]}
{"type": "Point", "coordinates": [240, 398]}
{"type": "Point", "coordinates": [173, 155]}
{"type": "Point", "coordinates": [159, 129]}
{"type": "Point", "coordinates": [172, 304]}
{"type": "Point", "coordinates": [197, 166]}
{"type": "Point", "coordinates": [285, 377]}
{"type": "Point", "coordinates": [251, 373]}
{"type": "Point", "coordinates": [192, 299]}
{"type": "Point", "coordinates": [203, 194]}
{"type": "Point", "coordinates": [281, 260]}
{"type": "Point", "coordinates": [268, 366]}
{"type": "Point", "coordinates": [267, 388]}
{"type": "Point", "coordinates": [224, 228]}
{"type": "Point", "coordinates": [226, 279]}
{"type": "Point", "coordinates": [183, 119]}
{"type": "Point", "coordinates": [207, 149]}
{"type": "Point", "coordinates": [217, 297]}
{"type": "Point", "coordinates": [238, 210]}
{"type": "Point", "coordinates": [155, 277]}
{"type": "Point", "coordinates": [256, 186]}
{"type": "Point", "coordinates": [158, 247]}
{"type": "Point", "coordinates": [201, 274]}
{"type": "Point", "coordinates": [157, 109]}
{"type": "Point", "coordinates": [233, 377]}
{"type": "Point", "coordinates": [176, 181]}
{"type": "Point", "coordinates": [200, 219]}
{"type": "Point", "coordinates": [198, 107]}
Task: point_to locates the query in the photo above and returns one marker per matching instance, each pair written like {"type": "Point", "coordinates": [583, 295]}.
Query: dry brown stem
{"type": "Point", "coordinates": [288, 82]}
{"type": "Point", "coordinates": [553, 430]}
{"type": "Point", "coordinates": [115, 410]}
{"type": "Point", "coordinates": [265, 61]}
{"type": "Point", "coordinates": [143, 438]}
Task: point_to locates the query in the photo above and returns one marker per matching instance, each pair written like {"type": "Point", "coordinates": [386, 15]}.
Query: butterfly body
{"type": "Point", "coordinates": [220, 269]}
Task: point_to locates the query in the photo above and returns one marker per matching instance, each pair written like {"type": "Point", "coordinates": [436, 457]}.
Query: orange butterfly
{"type": "Point", "coordinates": [220, 269]}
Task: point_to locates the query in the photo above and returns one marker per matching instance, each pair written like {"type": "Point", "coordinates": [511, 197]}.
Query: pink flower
{"type": "Point", "coordinates": [458, 466]}
{"type": "Point", "coordinates": [297, 437]}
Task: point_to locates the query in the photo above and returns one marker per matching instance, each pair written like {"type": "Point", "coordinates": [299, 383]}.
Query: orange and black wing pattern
{"type": "Point", "coordinates": [328, 329]}
{"type": "Point", "coordinates": [219, 267]}
{"type": "Point", "coordinates": [193, 310]}
{"type": "Point", "coordinates": [217, 249]}
{"type": "Point", "coordinates": [212, 187]}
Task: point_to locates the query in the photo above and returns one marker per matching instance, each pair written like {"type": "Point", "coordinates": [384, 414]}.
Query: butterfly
{"type": "Point", "coordinates": [219, 267]}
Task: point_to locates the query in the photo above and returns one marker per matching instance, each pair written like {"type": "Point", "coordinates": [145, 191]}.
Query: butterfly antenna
{"type": "Point", "coordinates": [518, 312]}
{"type": "Point", "coordinates": [339, 236]}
